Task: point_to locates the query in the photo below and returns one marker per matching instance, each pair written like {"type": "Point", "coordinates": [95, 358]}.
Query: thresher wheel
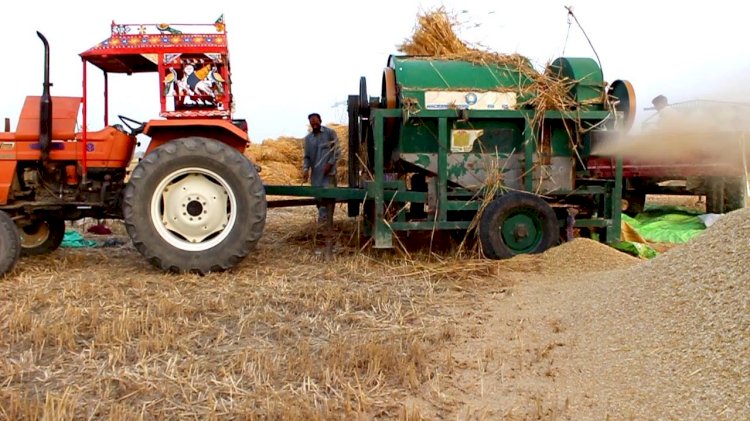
{"type": "Point", "coordinates": [41, 236]}
{"type": "Point", "coordinates": [517, 223]}
{"type": "Point", "coordinates": [10, 243]}
{"type": "Point", "coordinates": [195, 205]}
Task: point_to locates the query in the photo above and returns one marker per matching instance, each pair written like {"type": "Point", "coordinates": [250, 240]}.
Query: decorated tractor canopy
{"type": "Point", "coordinates": [193, 62]}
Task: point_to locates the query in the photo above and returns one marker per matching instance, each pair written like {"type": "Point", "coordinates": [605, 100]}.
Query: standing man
{"type": "Point", "coordinates": [319, 164]}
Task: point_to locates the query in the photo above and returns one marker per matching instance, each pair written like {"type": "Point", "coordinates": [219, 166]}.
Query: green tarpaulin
{"type": "Point", "coordinates": [661, 224]}
{"type": "Point", "coordinates": [667, 224]}
{"type": "Point", "coordinates": [636, 249]}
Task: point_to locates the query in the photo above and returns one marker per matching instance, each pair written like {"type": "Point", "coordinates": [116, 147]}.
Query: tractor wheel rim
{"type": "Point", "coordinates": [522, 232]}
{"type": "Point", "coordinates": [193, 209]}
{"type": "Point", "coordinates": [34, 235]}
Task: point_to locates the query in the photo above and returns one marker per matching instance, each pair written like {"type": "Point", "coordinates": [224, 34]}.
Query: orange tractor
{"type": "Point", "coordinates": [194, 202]}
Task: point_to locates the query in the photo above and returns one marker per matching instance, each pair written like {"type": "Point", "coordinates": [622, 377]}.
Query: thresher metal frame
{"type": "Point", "coordinates": [386, 193]}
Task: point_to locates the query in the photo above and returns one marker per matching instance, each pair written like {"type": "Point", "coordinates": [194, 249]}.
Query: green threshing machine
{"type": "Point", "coordinates": [457, 145]}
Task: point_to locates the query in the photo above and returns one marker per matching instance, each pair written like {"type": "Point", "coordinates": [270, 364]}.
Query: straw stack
{"type": "Point", "coordinates": [435, 38]}
{"type": "Point", "coordinates": [280, 159]}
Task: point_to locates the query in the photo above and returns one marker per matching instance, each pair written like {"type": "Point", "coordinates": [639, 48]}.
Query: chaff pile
{"type": "Point", "coordinates": [665, 339]}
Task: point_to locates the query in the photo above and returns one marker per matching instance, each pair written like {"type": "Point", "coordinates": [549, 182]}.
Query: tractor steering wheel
{"type": "Point", "coordinates": [137, 126]}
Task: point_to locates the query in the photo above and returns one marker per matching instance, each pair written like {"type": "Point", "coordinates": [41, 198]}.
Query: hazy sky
{"type": "Point", "coordinates": [292, 58]}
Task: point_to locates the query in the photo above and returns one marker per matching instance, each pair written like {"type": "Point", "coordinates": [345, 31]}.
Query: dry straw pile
{"type": "Point", "coordinates": [280, 159]}
{"type": "Point", "coordinates": [435, 38]}
{"type": "Point", "coordinates": [98, 334]}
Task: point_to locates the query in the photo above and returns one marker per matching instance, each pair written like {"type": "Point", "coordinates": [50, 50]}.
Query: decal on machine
{"type": "Point", "coordinates": [444, 100]}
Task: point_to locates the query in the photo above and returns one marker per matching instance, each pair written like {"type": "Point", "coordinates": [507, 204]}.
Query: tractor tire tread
{"type": "Point", "coordinates": [140, 187]}
{"type": "Point", "coordinates": [10, 244]}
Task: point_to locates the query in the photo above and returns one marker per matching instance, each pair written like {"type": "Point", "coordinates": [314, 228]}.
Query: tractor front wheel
{"type": "Point", "coordinates": [10, 243]}
{"type": "Point", "coordinates": [41, 236]}
{"type": "Point", "coordinates": [195, 205]}
{"type": "Point", "coordinates": [517, 223]}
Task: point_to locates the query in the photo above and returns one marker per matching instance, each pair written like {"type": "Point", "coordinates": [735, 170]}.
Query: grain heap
{"type": "Point", "coordinates": [677, 328]}
{"type": "Point", "coordinates": [280, 159]}
{"type": "Point", "coordinates": [585, 255]}
{"type": "Point", "coordinates": [701, 293]}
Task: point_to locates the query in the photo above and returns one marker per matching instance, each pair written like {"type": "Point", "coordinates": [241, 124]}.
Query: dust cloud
{"type": "Point", "coordinates": [697, 132]}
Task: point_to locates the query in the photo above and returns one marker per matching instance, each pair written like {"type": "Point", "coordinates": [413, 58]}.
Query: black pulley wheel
{"type": "Point", "coordinates": [364, 99]}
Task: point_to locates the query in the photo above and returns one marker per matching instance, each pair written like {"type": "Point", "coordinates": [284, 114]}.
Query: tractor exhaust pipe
{"type": "Point", "coordinates": [45, 106]}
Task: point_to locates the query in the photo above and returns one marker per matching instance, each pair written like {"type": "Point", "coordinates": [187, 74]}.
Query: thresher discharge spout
{"type": "Point", "coordinates": [45, 111]}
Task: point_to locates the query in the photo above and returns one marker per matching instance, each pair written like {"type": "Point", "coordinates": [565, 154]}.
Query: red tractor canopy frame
{"type": "Point", "coordinates": [192, 61]}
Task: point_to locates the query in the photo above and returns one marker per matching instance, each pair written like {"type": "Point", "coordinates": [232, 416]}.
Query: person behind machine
{"type": "Point", "coordinates": [667, 114]}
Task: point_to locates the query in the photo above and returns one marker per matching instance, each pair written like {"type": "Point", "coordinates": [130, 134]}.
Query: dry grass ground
{"type": "Point", "coordinates": [96, 333]}
{"type": "Point", "coordinates": [369, 335]}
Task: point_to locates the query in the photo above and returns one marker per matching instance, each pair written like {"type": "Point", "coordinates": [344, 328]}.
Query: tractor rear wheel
{"type": "Point", "coordinates": [10, 243]}
{"type": "Point", "coordinates": [41, 236]}
{"type": "Point", "coordinates": [517, 223]}
{"type": "Point", "coordinates": [195, 205]}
